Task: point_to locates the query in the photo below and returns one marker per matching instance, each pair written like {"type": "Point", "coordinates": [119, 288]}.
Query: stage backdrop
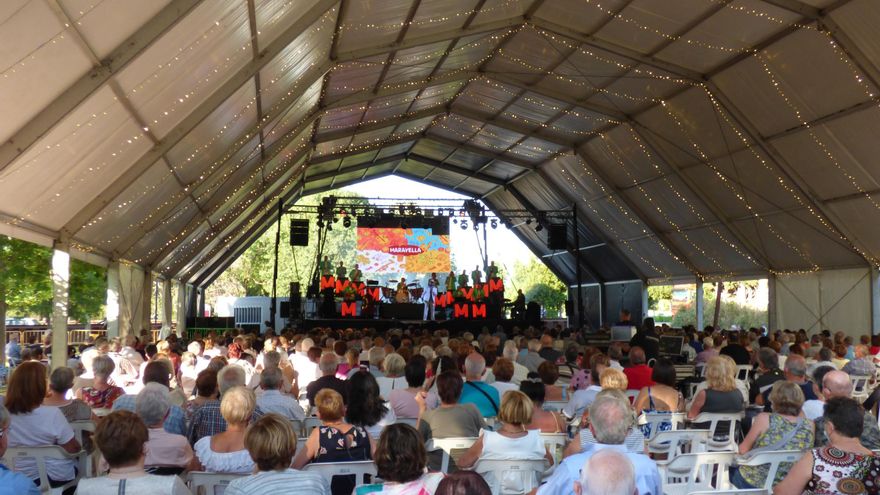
{"type": "Point", "coordinates": [391, 252]}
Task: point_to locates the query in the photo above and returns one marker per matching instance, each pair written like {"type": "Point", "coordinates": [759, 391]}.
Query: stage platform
{"type": "Point", "coordinates": [454, 326]}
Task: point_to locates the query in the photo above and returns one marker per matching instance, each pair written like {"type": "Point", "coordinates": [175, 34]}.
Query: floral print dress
{"type": "Point", "coordinates": [334, 445]}
{"type": "Point", "coordinates": [777, 430]}
{"type": "Point", "coordinates": [836, 471]}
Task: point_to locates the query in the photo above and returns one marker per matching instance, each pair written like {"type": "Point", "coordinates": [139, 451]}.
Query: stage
{"type": "Point", "coordinates": [454, 326]}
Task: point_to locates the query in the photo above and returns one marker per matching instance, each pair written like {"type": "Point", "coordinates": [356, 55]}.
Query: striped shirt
{"type": "Point", "coordinates": [275, 482]}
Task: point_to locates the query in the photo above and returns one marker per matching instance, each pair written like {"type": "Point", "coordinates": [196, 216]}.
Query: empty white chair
{"type": "Point", "coordinates": [774, 459]}
{"type": "Point", "coordinates": [658, 419]}
{"type": "Point", "coordinates": [39, 456]}
{"type": "Point", "coordinates": [204, 483]}
{"type": "Point", "coordinates": [860, 389]}
{"type": "Point", "coordinates": [511, 477]}
{"type": "Point", "coordinates": [671, 444]}
{"type": "Point", "coordinates": [724, 428]}
{"type": "Point", "coordinates": [297, 426]}
{"type": "Point", "coordinates": [329, 470]}
{"type": "Point", "coordinates": [448, 445]}
{"type": "Point", "coordinates": [554, 405]}
{"type": "Point", "coordinates": [705, 471]}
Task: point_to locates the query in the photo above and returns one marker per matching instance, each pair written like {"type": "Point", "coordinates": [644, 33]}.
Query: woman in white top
{"type": "Point", "coordinates": [393, 366]}
{"type": "Point", "coordinates": [120, 437]}
{"type": "Point", "coordinates": [511, 442]}
{"type": "Point", "coordinates": [225, 452]}
{"type": "Point", "coordinates": [34, 425]}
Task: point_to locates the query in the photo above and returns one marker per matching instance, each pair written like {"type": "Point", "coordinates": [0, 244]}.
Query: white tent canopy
{"type": "Point", "coordinates": [696, 138]}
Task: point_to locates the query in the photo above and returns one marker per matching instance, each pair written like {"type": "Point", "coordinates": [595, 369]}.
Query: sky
{"type": "Point", "coordinates": [504, 247]}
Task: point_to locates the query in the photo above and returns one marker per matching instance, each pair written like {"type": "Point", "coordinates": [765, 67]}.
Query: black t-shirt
{"type": "Point", "coordinates": [647, 341]}
{"type": "Point", "coordinates": [764, 380]}
{"type": "Point", "coordinates": [739, 354]}
{"type": "Point", "coordinates": [329, 381]}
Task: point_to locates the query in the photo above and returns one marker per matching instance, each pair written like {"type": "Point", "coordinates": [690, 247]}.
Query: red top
{"type": "Point", "coordinates": [639, 376]}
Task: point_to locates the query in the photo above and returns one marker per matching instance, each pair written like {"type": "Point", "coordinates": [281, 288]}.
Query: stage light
{"type": "Point", "coordinates": [346, 222]}
{"type": "Point", "coordinates": [329, 227]}
{"type": "Point", "coordinates": [539, 228]}
{"type": "Point", "coordinates": [494, 223]}
{"type": "Point", "coordinates": [464, 225]}
{"type": "Point", "coordinates": [528, 221]}
{"type": "Point", "coordinates": [335, 219]}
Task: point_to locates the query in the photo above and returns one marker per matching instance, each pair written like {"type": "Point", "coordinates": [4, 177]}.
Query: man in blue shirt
{"type": "Point", "coordinates": [13, 351]}
{"type": "Point", "coordinates": [610, 421]}
{"type": "Point", "coordinates": [12, 483]}
{"type": "Point", "coordinates": [477, 392]}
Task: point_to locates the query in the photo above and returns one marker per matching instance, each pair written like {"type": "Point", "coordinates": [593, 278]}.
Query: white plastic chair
{"type": "Point", "coordinates": [555, 443]}
{"type": "Point", "coordinates": [860, 389]}
{"type": "Point", "coordinates": [39, 456]}
{"type": "Point", "coordinates": [743, 372]}
{"type": "Point", "coordinates": [79, 429]}
{"type": "Point", "coordinates": [448, 445]}
{"type": "Point", "coordinates": [554, 405]}
{"type": "Point", "coordinates": [205, 483]}
{"type": "Point", "coordinates": [329, 470]}
{"type": "Point", "coordinates": [408, 421]}
{"type": "Point", "coordinates": [774, 459]}
{"type": "Point", "coordinates": [707, 471]}
{"type": "Point", "coordinates": [527, 470]}
{"type": "Point", "coordinates": [310, 424]}
{"type": "Point", "coordinates": [721, 439]}
{"type": "Point", "coordinates": [671, 444]}
{"type": "Point", "coordinates": [655, 419]}
{"type": "Point", "coordinates": [297, 426]}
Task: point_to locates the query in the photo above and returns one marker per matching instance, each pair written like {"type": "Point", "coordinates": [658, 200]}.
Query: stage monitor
{"type": "Point", "coordinates": [622, 333]}
{"type": "Point", "coordinates": [393, 252]}
{"type": "Point", "coordinates": [671, 345]}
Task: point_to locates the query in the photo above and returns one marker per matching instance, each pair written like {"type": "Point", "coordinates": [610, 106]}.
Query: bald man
{"type": "Point", "coordinates": [477, 392]}
{"type": "Point", "coordinates": [838, 384]}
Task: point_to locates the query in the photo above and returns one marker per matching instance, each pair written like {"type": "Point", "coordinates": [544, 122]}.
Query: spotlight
{"type": "Point", "coordinates": [346, 222]}
{"type": "Point", "coordinates": [335, 219]}
{"type": "Point", "coordinates": [493, 223]}
{"type": "Point", "coordinates": [528, 221]}
{"type": "Point", "coordinates": [464, 224]}
{"type": "Point", "coordinates": [539, 228]}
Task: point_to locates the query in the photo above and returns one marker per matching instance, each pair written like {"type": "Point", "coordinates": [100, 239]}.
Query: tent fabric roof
{"type": "Point", "coordinates": [710, 138]}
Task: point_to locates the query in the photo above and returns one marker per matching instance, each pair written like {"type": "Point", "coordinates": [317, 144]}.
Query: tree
{"type": "Point", "coordinates": [539, 284]}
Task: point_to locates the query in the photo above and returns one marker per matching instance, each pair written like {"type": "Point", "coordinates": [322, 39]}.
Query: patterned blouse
{"type": "Point", "coordinates": [101, 399]}
{"type": "Point", "coordinates": [778, 429]}
{"type": "Point", "coordinates": [836, 471]}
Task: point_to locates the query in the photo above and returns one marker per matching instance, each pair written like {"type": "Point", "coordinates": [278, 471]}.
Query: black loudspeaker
{"type": "Point", "coordinates": [557, 236]}
{"type": "Point", "coordinates": [295, 301]}
{"type": "Point", "coordinates": [299, 232]}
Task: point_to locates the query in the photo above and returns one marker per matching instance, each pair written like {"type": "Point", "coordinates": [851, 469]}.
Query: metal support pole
{"type": "Point", "coordinates": [275, 269]}
{"type": "Point", "coordinates": [112, 306]}
{"type": "Point", "coordinates": [60, 301]}
{"type": "Point", "coordinates": [717, 304]}
{"type": "Point", "coordinates": [577, 271]}
{"type": "Point", "coordinates": [181, 309]}
{"type": "Point", "coordinates": [701, 304]}
{"type": "Point", "coordinates": [200, 292]}
{"type": "Point", "coordinates": [645, 301]}
{"type": "Point", "coordinates": [875, 300]}
{"type": "Point", "coordinates": [486, 250]}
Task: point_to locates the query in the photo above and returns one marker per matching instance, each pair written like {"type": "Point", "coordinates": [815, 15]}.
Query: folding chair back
{"type": "Point", "coordinates": [860, 389]}
{"type": "Point", "coordinates": [448, 446]}
{"type": "Point", "coordinates": [555, 443]}
{"type": "Point", "coordinates": [657, 419]}
{"type": "Point", "coordinates": [39, 455]}
{"type": "Point", "coordinates": [688, 473]}
{"type": "Point", "coordinates": [725, 430]}
{"type": "Point", "coordinates": [511, 477]}
{"type": "Point", "coordinates": [329, 470]}
{"type": "Point", "coordinates": [310, 424]}
{"type": "Point", "coordinates": [297, 426]}
{"type": "Point", "coordinates": [774, 459]}
{"type": "Point", "coordinates": [205, 483]}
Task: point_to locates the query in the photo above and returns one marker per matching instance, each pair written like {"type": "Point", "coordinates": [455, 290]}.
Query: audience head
{"type": "Point", "coordinates": [414, 371]}
{"type": "Point", "coordinates": [330, 405]}
{"type": "Point", "coordinates": [534, 390]}
{"type": "Point", "coordinates": [400, 454]}
{"type": "Point", "coordinates": [120, 436]}
{"type": "Point", "coordinates": [158, 371]}
{"type": "Point", "coordinates": [271, 359]}
{"type": "Point", "coordinates": [836, 384]}
{"type": "Point", "coordinates": [510, 351]}
{"type": "Point", "coordinates": [721, 374]}
{"type": "Point", "coordinates": [534, 345]}
{"type": "Point", "coordinates": [152, 404]}
{"type": "Point", "coordinates": [206, 384]}
{"type": "Point", "coordinates": [844, 416]}
{"type": "Point", "coordinates": [786, 398]}
{"type": "Point", "coordinates": [503, 370]}
{"type": "Point", "coordinates": [768, 359]}
{"type": "Point", "coordinates": [474, 366]}
{"type": "Point", "coordinates": [27, 388]}
{"type": "Point", "coordinates": [825, 354]}
{"type": "Point", "coordinates": [615, 351]}
{"type": "Point", "coordinates": [613, 379]}
{"type": "Point", "coordinates": [237, 405]}
{"type": "Point", "coordinates": [664, 372]}
{"type": "Point", "coordinates": [376, 356]}
{"type": "Point", "coordinates": [449, 385]}
{"type": "Point", "coordinates": [103, 367]}
{"type": "Point", "coordinates": [271, 442]}
{"type": "Point", "coordinates": [598, 363]}
{"type": "Point", "coordinates": [607, 472]}
{"type": "Point", "coordinates": [61, 380]}
{"type": "Point", "coordinates": [328, 363]}
{"type": "Point", "coordinates": [231, 376]}
{"type": "Point", "coordinates": [271, 379]}
{"type": "Point", "coordinates": [708, 342]}
{"type": "Point", "coordinates": [516, 409]}
{"type": "Point", "coordinates": [463, 482]}
{"type": "Point", "coordinates": [393, 365]}
{"type": "Point", "coordinates": [363, 390]}
{"type": "Point", "coordinates": [636, 356]}
{"type": "Point", "coordinates": [795, 368]}
{"type": "Point", "coordinates": [861, 351]}
{"type": "Point", "coordinates": [611, 417]}
{"type": "Point", "coordinates": [549, 372]}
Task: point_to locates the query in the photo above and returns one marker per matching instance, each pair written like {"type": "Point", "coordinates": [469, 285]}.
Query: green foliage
{"type": "Point", "coordinates": [731, 314]}
{"type": "Point", "coordinates": [657, 293]}
{"type": "Point", "coordinates": [539, 284]}
{"type": "Point", "coordinates": [26, 285]}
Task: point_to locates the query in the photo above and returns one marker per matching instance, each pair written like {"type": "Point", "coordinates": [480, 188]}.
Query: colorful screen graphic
{"type": "Point", "coordinates": [397, 251]}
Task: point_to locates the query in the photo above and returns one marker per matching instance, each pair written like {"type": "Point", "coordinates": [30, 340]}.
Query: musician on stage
{"type": "Point", "coordinates": [477, 276]}
{"type": "Point", "coordinates": [519, 306]}
{"type": "Point", "coordinates": [492, 271]}
{"type": "Point", "coordinates": [326, 267]}
{"type": "Point", "coordinates": [450, 282]}
{"type": "Point", "coordinates": [463, 279]}
{"type": "Point", "coordinates": [402, 295]}
{"type": "Point", "coordinates": [355, 274]}
{"type": "Point", "coordinates": [340, 271]}
{"type": "Point", "coordinates": [433, 284]}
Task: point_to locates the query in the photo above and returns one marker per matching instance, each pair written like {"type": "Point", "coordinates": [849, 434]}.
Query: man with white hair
{"type": "Point", "coordinates": [607, 473]}
{"type": "Point", "coordinates": [531, 359]}
{"type": "Point", "coordinates": [327, 366]}
{"type": "Point", "coordinates": [520, 372]}
{"type": "Point", "coordinates": [305, 368]}
{"type": "Point", "coordinates": [272, 400]}
{"type": "Point", "coordinates": [611, 419]}
{"type": "Point", "coordinates": [477, 392]}
{"type": "Point", "coordinates": [837, 384]}
{"type": "Point", "coordinates": [163, 449]}
{"type": "Point", "coordinates": [197, 349]}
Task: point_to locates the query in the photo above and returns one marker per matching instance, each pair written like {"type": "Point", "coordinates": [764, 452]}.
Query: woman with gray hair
{"type": "Point", "coordinates": [393, 366]}
{"type": "Point", "coordinates": [164, 450]}
{"type": "Point", "coordinates": [102, 394]}
{"type": "Point", "coordinates": [60, 383]}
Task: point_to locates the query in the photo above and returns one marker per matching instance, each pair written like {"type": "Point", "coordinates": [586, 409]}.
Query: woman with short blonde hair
{"type": "Point", "coordinates": [721, 374]}
{"type": "Point", "coordinates": [613, 379]}
{"type": "Point", "coordinates": [720, 394]}
{"type": "Point", "coordinates": [225, 452]}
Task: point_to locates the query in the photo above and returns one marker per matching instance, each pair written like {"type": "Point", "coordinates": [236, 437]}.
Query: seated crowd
{"type": "Point", "coordinates": [266, 407]}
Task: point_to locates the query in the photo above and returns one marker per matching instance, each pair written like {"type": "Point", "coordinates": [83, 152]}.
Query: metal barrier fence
{"type": "Point", "coordinates": [75, 336]}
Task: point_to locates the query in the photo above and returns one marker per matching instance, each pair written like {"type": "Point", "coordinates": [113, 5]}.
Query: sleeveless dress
{"type": "Point", "coordinates": [778, 429]}
{"type": "Point", "coordinates": [101, 400]}
{"type": "Point", "coordinates": [836, 471]}
{"type": "Point", "coordinates": [336, 446]}
{"type": "Point", "coordinates": [662, 426]}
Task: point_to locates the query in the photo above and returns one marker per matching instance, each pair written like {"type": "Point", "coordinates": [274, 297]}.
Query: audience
{"type": "Point", "coordinates": [544, 421]}
{"type": "Point", "coordinates": [327, 365]}
{"type": "Point", "coordinates": [841, 466]}
{"type": "Point", "coordinates": [836, 384]}
{"type": "Point", "coordinates": [581, 399]}
{"type": "Point", "coordinates": [121, 438]}
{"type": "Point", "coordinates": [549, 374]}
{"type": "Point", "coordinates": [369, 411]}
{"type": "Point", "coordinates": [403, 400]}
{"type": "Point", "coordinates": [225, 452]}
{"type": "Point", "coordinates": [102, 393]}
{"type": "Point", "coordinates": [401, 462]}
{"type": "Point", "coordinates": [477, 392]}
{"type": "Point", "coordinates": [502, 370]}
{"type": "Point", "coordinates": [164, 450]}
{"type": "Point", "coordinates": [33, 424]}
{"type": "Point", "coordinates": [393, 366]}
{"type": "Point", "coordinates": [768, 374]}
{"type": "Point", "coordinates": [661, 397]}
{"type": "Point", "coordinates": [510, 352]}
{"type": "Point", "coordinates": [795, 372]}
{"type": "Point", "coordinates": [273, 400]}
{"type": "Point", "coordinates": [450, 419]}
{"type": "Point", "coordinates": [813, 409]}
{"type": "Point", "coordinates": [608, 472]}
{"type": "Point", "coordinates": [271, 444]}
{"type": "Point", "coordinates": [463, 483]}
{"type": "Point", "coordinates": [60, 383]}
{"type": "Point", "coordinates": [531, 359]}
{"type": "Point", "coordinates": [638, 374]}
{"type": "Point", "coordinates": [208, 419]}
{"type": "Point", "coordinates": [721, 394]}
{"type": "Point", "coordinates": [11, 482]}
{"type": "Point", "coordinates": [206, 391]}
{"type": "Point", "coordinates": [156, 372]}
